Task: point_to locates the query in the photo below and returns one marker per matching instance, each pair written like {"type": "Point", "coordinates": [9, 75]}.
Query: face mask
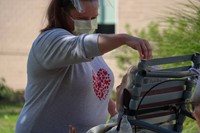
{"type": "Point", "coordinates": [84, 26]}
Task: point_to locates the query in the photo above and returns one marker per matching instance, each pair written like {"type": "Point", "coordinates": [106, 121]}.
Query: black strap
{"type": "Point", "coordinates": [144, 111]}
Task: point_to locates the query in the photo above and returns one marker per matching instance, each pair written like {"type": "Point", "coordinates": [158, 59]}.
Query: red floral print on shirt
{"type": "Point", "coordinates": [101, 83]}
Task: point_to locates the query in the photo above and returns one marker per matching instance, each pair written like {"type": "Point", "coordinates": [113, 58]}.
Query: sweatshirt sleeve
{"type": "Point", "coordinates": [59, 48]}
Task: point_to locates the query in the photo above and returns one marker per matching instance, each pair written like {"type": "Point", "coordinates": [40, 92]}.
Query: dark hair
{"type": "Point", "coordinates": [56, 14]}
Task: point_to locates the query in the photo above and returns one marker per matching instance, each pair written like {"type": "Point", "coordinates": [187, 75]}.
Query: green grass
{"type": "Point", "coordinates": [8, 117]}
{"type": "Point", "coordinates": [9, 114]}
{"type": "Point", "coordinates": [190, 126]}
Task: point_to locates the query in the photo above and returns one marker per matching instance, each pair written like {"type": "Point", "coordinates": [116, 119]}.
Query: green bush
{"type": "Point", "coordinates": [7, 95]}
{"type": "Point", "coordinates": [176, 33]}
{"type": "Point", "coordinates": [9, 114]}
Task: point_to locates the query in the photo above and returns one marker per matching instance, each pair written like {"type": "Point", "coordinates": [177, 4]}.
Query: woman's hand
{"type": "Point", "coordinates": [142, 46]}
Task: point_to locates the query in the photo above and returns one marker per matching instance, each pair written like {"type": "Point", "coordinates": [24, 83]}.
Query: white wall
{"type": "Point", "coordinates": [20, 22]}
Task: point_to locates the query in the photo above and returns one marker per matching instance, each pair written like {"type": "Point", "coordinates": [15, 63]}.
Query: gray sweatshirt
{"type": "Point", "coordinates": [68, 84]}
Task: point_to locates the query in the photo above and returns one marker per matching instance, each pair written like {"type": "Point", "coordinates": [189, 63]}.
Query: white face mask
{"type": "Point", "coordinates": [84, 26]}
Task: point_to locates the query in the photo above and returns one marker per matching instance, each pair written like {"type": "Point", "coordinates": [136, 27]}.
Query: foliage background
{"type": "Point", "coordinates": [176, 33]}
{"type": "Point", "coordinates": [11, 103]}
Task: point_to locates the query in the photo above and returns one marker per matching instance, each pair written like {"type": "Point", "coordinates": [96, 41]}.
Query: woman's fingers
{"type": "Point", "coordinates": [142, 46]}
{"type": "Point", "coordinates": [148, 50]}
{"type": "Point", "coordinates": [144, 49]}
{"type": "Point", "coordinates": [72, 129]}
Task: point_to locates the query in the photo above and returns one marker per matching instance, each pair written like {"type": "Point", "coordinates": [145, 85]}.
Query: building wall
{"type": "Point", "coordinates": [138, 13]}
{"type": "Point", "coordinates": [21, 20]}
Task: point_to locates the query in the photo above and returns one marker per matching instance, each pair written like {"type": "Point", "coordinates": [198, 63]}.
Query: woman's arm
{"type": "Point", "coordinates": [108, 42]}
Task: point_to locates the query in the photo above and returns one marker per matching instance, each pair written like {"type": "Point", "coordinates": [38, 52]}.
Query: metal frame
{"type": "Point", "coordinates": [172, 73]}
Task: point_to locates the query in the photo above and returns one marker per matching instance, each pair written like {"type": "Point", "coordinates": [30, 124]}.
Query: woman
{"type": "Point", "coordinates": [68, 81]}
